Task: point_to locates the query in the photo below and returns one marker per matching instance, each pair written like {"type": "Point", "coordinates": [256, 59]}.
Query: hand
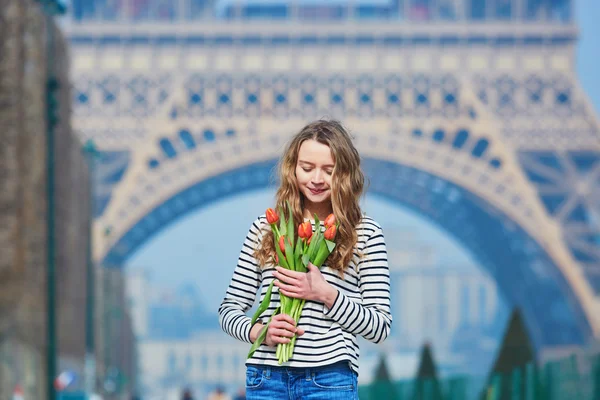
{"type": "Point", "coordinates": [310, 285]}
{"type": "Point", "coordinates": [280, 330]}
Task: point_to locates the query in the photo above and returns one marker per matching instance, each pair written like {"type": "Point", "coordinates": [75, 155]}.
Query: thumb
{"type": "Point", "coordinates": [299, 331]}
{"type": "Point", "coordinates": [311, 267]}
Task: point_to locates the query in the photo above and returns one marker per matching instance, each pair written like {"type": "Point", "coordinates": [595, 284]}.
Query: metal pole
{"type": "Point", "coordinates": [90, 359]}
{"type": "Point", "coordinates": [51, 7]}
{"type": "Point", "coordinates": [90, 152]}
{"type": "Point", "coordinates": [50, 89]}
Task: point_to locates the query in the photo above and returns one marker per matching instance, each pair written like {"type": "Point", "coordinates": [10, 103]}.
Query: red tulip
{"type": "Point", "coordinates": [330, 232]}
{"type": "Point", "coordinates": [272, 217]}
{"type": "Point", "coordinates": [305, 230]}
{"type": "Point", "coordinates": [276, 259]}
{"type": "Point", "coordinates": [330, 220]}
{"type": "Point", "coordinates": [282, 244]}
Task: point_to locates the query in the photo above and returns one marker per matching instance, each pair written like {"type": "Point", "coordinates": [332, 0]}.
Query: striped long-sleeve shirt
{"type": "Point", "coordinates": [362, 306]}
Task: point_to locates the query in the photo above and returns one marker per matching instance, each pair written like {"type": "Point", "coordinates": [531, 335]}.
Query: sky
{"type": "Point", "coordinates": [204, 246]}
{"type": "Point", "coordinates": [588, 49]}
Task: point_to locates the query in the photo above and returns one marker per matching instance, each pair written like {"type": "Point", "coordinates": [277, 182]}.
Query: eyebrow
{"type": "Point", "coordinates": [311, 164]}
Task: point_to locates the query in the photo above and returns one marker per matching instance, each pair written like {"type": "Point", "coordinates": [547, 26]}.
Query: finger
{"type": "Point", "coordinates": [281, 320]}
{"type": "Point", "coordinates": [289, 288]}
{"type": "Point", "coordinates": [284, 317]}
{"type": "Point", "coordinates": [285, 278]}
{"type": "Point", "coordinates": [300, 331]}
{"type": "Point", "coordinates": [283, 332]}
{"type": "Point", "coordinates": [273, 341]}
{"type": "Point", "coordinates": [280, 339]}
{"type": "Point", "coordinates": [311, 267]}
{"type": "Point", "coordinates": [295, 295]}
{"type": "Point", "coordinates": [289, 273]}
{"type": "Point", "coordinates": [283, 328]}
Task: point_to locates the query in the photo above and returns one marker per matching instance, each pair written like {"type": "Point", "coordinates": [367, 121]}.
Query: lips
{"type": "Point", "coordinates": [316, 191]}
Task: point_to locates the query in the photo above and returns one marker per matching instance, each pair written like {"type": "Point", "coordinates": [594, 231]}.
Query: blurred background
{"type": "Point", "coordinates": [139, 139]}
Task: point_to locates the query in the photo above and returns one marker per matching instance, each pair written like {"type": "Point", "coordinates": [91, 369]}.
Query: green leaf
{"type": "Point", "coordinates": [305, 259]}
{"type": "Point", "coordinates": [259, 340]}
{"type": "Point", "coordinates": [282, 262]}
{"type": "Point", "coordinates": [261, 337]}
{"type": "Point", "coordinates": [282, 223]}
{"type": "Point", "coordinates": [317, 222]}
{"type": "Point", "coordinates": [298, 249]}
{"type": "Point", "coordinates": [290, 224]}
{"type": "Point", "coordinates": [318, 244]}
{"type": "Point", "coordinates": [316, 239]}
{"type": "Point", "coordinates": [300, 267]}
{"type": "Point", "coordinates": [322, 254]}
{"type": "Point", "coordinates": [289, 254]}
{"type": "Point", "coordinates": [264, 304]}
{"type": "Point", "coordinates": [330, 245]}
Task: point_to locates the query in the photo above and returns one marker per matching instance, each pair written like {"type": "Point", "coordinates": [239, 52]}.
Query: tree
{"type": "Point", "coordinates": [516, 352]}
{"type": "Point", "coordinates": [382, 387]}
{"type": "Point", "coordinates": [427, 386]}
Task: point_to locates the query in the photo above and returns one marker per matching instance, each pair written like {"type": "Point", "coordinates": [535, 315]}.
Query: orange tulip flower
{"type": "Point", "coordinates": [272, 217]}
{"type": "Point", "coordinates": [330, 233]}
{"type": "Point", "coordinates": [282, 244]}
{"type": "Point", "coordinates": [305, 230]}
{"type": "Point", "coordinates": [330, 220]}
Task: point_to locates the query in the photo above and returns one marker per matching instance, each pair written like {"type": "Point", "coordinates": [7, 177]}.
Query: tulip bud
{"type": "Point", "coordinates": [272, 217]}
{"type": "Point", "coordinates": [330, 220]}
{"type": "Point", "coordinates": [305, 230]}
{"type": "Point", "coordinates": [276, 259]}
{"type": "Point", "coordinates": [282, 244]}
{"type": "Point", "coordinates": [330, 233]}
{"type": "Point", "coordinates": [309, 231]}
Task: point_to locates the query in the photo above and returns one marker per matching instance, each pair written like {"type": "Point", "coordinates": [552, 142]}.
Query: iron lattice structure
{"type": "Point", "coordinates": [481, 127]}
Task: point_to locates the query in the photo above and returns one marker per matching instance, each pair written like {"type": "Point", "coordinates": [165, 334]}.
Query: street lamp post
{"type": "Point", "coordinates": [51, 8]}
{"type": "Point", "coordinates": [91, 154]}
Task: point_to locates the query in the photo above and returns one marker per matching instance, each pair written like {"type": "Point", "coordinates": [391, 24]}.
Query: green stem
{"type": "Point", "coordinates": [297, 312]}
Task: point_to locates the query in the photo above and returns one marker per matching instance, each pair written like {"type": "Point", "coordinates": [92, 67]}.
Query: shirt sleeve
{"type": "Point", "coordinates": [242, 289]}
{"type": "Point", "coordinates": [372, 319]}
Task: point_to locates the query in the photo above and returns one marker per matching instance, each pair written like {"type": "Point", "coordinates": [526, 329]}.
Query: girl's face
{"type": "Point", "coordinates": [314, 169]}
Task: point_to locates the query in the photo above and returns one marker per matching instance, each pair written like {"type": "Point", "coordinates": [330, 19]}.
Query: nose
{"type": "Point", "coordinates": [318, 176]}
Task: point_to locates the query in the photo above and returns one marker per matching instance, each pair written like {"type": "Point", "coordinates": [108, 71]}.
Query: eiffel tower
{"type": "Point", "coordinates": [468, 112]}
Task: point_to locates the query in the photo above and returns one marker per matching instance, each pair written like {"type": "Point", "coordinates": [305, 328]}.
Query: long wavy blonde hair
{"type": "Point", "coordinates": [347, 183]}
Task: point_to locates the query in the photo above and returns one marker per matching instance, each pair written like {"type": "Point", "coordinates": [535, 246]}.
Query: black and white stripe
{"type": "Point", "coordinates": [362, 306]}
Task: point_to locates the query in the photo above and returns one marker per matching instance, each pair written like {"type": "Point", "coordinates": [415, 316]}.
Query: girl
{"type": "Point", "coordinates": [349, 296]}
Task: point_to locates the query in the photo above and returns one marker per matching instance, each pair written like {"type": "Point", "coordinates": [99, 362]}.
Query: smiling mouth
{"type": "Point", "coordinates": [316, 191]}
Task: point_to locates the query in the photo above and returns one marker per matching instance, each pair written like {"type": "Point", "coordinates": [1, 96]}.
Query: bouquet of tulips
{"type": "Point", "coordinates": [294, 252]}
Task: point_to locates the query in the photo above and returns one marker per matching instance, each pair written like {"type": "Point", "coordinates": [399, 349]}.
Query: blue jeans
{"type": "Point", "coordinates": [331, 382]}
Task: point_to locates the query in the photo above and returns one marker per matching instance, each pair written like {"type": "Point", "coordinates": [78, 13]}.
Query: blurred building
{"type": "Point", "coordinates": [138, 11]}
{"type": "Point", "coordinates": [202, 362]}
{"type": "Point", "coordinates": [179, 342]}
{"type": "Point", "coordinates": [139, 297]}
{"type": "Point", "coordinates": [435, 300]}
{"type": "Point", "coordinates": [432, 303]}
